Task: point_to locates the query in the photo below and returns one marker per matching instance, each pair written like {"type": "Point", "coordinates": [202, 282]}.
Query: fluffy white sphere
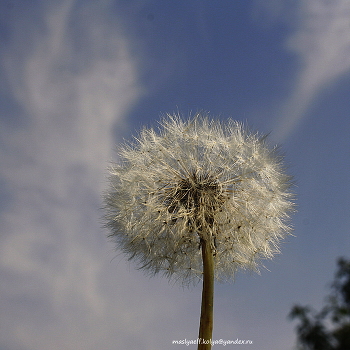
{"type": "Point", "coordinates": [198, 179]}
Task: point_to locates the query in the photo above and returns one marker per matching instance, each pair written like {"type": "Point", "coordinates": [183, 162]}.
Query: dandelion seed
{"type": "Point", "coordinates": [198, 195]}
{"type": "Point", "coordinates": [195, 179]}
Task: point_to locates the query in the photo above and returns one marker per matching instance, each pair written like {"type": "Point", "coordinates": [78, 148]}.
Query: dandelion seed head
{"type": "Point", "coordinates": [198, 179]}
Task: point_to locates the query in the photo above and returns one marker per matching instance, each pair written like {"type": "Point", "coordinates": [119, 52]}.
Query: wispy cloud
{"type": "Point", "coordinates": [322, 41]}
{"type": "Point", "coordinates": [70, 73]}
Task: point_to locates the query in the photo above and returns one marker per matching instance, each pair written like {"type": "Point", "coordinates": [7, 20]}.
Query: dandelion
{"type": "Point", "coordinates": [197, 200]}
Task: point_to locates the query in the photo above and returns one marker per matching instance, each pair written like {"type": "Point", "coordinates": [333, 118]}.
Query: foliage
{"type": "Point", "coordinates": [328, 329]}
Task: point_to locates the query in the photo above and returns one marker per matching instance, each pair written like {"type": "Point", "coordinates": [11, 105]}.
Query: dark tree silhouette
{"type": "Point", "coordinates": [328, 329]}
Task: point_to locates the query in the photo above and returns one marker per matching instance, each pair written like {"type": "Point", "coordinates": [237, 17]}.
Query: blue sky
{"type": "Point", "coordinates": [79, 76]}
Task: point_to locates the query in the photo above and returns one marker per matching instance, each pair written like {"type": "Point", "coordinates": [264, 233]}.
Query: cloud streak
{"type": "Point", "coordinates": [322, 42]}
{"type": "Point", "coordinates": [71, 74]}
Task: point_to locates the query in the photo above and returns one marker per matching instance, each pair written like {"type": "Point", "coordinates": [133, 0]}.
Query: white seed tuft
{"type": "Point", "coordinates": [198, 179]}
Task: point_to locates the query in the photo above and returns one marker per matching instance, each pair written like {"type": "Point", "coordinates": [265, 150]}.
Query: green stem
{"type": "Point", "coordinates": [206, 320]}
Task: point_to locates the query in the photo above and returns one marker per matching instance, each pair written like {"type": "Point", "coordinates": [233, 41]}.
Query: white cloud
{"type": "Point", "coordinates": [71, 73]}
{"type": "Point", "coordinates": [322, 41]}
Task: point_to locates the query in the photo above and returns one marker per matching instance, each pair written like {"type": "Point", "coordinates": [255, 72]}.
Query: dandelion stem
{"type": "Point", "coordinates": [206, 319]}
